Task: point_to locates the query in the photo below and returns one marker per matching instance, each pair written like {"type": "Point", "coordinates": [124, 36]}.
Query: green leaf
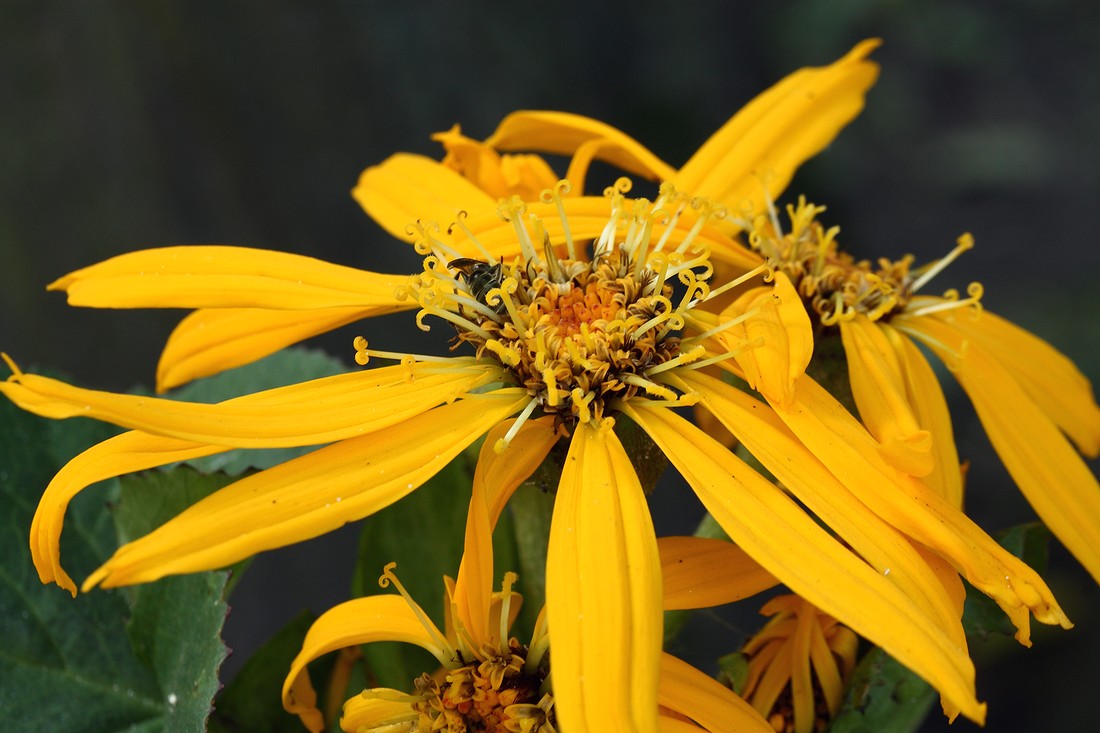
{"type": "Point", "coordinates": [883, 697]}
{"type": "Point", "coordinates": [248, 703]}
{"type": "Point", "coordinates": [104, 660]}
{"type": "Point", "coordinates": [289, 366]}
{"type": "Point", "coordinates": [733, 671]}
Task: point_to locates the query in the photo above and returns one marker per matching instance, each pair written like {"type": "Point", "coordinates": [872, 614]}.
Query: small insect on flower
{"type": "Point", "coordinates": [480, 278]}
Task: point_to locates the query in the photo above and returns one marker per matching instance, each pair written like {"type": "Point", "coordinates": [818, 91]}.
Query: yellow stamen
{"type": "Point", "coordinates": [963, 243]}
{"type": "Point", "coordinates": [449, 657]}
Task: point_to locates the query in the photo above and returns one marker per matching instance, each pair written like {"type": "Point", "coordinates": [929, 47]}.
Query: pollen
{"type": "Point", "coordinates": [580, 334]}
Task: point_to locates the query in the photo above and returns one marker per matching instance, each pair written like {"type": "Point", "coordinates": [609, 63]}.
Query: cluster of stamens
{"type": "Point", "coordinates": [495, 687]}
{"type": "Point", "coordinates": [835, 286]}
{"type": "Point", "coordinates": [580, 332]}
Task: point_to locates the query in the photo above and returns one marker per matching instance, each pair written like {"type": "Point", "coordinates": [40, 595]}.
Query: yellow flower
{"type": "Point", "coordinates": [488, 679]}
{"type": "Point", "coordinates": [1030, 398]}
{"type": "Point", "coordinates": [799, 665]}
{"type": "Point", "coordinates": [575, 323]}
{"type": "Point", "coordinates": [580, 341]}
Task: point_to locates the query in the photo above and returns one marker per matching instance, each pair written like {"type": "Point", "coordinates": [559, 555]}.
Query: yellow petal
{"type": "Point", "coordinates": [603, 590]}
{"type": "Point", "coordinates": [886, 549]}
{"type": "Point", "coordinates": [499, 176]}
{"type": "Point", "coordinates": [772, 528]}
{"type": "Point", "coordinates": [686, 690]}
{"type": "Point", "coordinates": [754, 155]}
{"type": "Point", "coordinates": [496, 478]}
{"type": "Point", "coordinates": [700, 573]}
{"type": "Point", "coordinates": [307, 496]}
{"type": "Point", "coordinates": [361, 621]}
{"type": "Point", "coordinates": [776, 342]}
{"type": "Point", "coordinates": [879, 391]}
{"type": "Point", "coordinates": [212, 340]}
{"type": "Point", "coordinates": [227, 277]}
{"type": "Point", "coordinates": [310, 413]}
{"type": "Point", "coordinates": [404, 189]}
{"type": "Point", "coordinates": [922, 388]}
{"type": "Point", "coordinates": [126, 453]}
{"type": "Point", "coordinates": [846, 448]}
{"type": "Point", "coordinates": [1049, 472]}
{"type": "Point", "coordinates": [365, 713]}
{"type": "Point", "coordinates": [563, 133]}
{"type": "Point", "coordinates": [1048, 377]}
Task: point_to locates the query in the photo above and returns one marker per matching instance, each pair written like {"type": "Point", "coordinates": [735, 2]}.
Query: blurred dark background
{"type": "Point", "coordinates": [126, 125]}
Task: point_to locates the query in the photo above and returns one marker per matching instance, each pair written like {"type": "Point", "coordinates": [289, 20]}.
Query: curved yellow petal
{"type": "Point", "coordinates": [879, 391]}
{"type": "Point", "coordinates": [1048, 377]}
{"type": "Point", "coordinates": [1049, 472]}
{"type": "Point", "coordinates": [603, 590]}
{"type": "Point", "coordinates": [406, 188]}
{"type": "Point", "coordinates": [848, 450]}
{"type": "Point", "coordinates": [700, 573]}
{"type": "Point", "coordinates": [497, 175]}
{"type": "Point", "coordinates": [307, 496]}
{"type": "Point", "coordinates": [922, 388]}
{"type": "Point", "coordinates": [361, 621]}
{"type": "Point", "coordinates": [319, 411]}
{"type": "Point", "coordinates": [887, 550]}
{"type": "Point", "coordinates": [562, 133]}
{"type": "Point", "coordinates": [496, 478]}
{"type": "Point", "coordinates": [772, 528]}
{"type": "Point", "coordinates": [753, 156]}
{"type": "Point", "coordinates": [774, 346]}
{"type": "Point", "coordinates": [212, 340]}
{"type": "Point", "coordinates": [715, 707]}
{"type": "Point", "coordinates": [216, 276]}
{"type": "Point", "coordinates": [365, 713]}
{"type": "Point", "coordinates": [126, 453]}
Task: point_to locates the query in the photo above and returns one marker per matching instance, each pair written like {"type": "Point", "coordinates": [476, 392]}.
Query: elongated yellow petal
{"type": "Point", "coordinates": [1048, 377]}
{"type": "Point", "coordinates": [756, 152]}
{"type": "Point", "coordinates": [776, 342]}
{"type": "Point", "coordinates": [686, 690]}
{"type": "Point", "coordinates": [922, 388]}
{"type": "Point", "coordinates": [309, 413]}
{"type": "Point", "coordinates": [405, 188]}
{"type": "Point", "coordinates": [563, 133]}
{"type": "Point", "coordinates": [700, 573]}
{"type": "Point", "coordinates": [126, 453]}
{"type": "Point", "coordinates": [1052, 476]}
{"type": "Point", "coordinates": [849, 451]}
{"type": "Point", "coordinates": [765, 435]}
{"type": "Point", "coordinates": [211, 340]}
{"type": "Point", "coordinates": [878, 388]}
{"type": "Point", "coordinates": [496, 478]}
{"type": "Point", "coordinates": [603, 591]}
{"type": "Point", "coordinates": [364, 713]}
{"type": "Point", "coordinates": [773, 529]}
{"type": "Point", "coordinates": [218, 276]}
{"type": "Point", "coordinates": [361, 621]}
{"type": "Point", "coordinates": [307, 496]}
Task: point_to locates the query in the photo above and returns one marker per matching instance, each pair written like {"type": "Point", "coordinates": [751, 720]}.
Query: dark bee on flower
{"type": "Point", "coordinates": [480, 278]}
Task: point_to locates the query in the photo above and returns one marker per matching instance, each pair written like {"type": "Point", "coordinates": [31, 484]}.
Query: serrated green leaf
{"type": "Point", "coordinates": [68, 664]}
{"type": "Point", "coordinates": [289, 366]}
{"type": "Point", "coordinates": [883, 697]}
{"type": "Point", "coordinates": [250, 701]}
